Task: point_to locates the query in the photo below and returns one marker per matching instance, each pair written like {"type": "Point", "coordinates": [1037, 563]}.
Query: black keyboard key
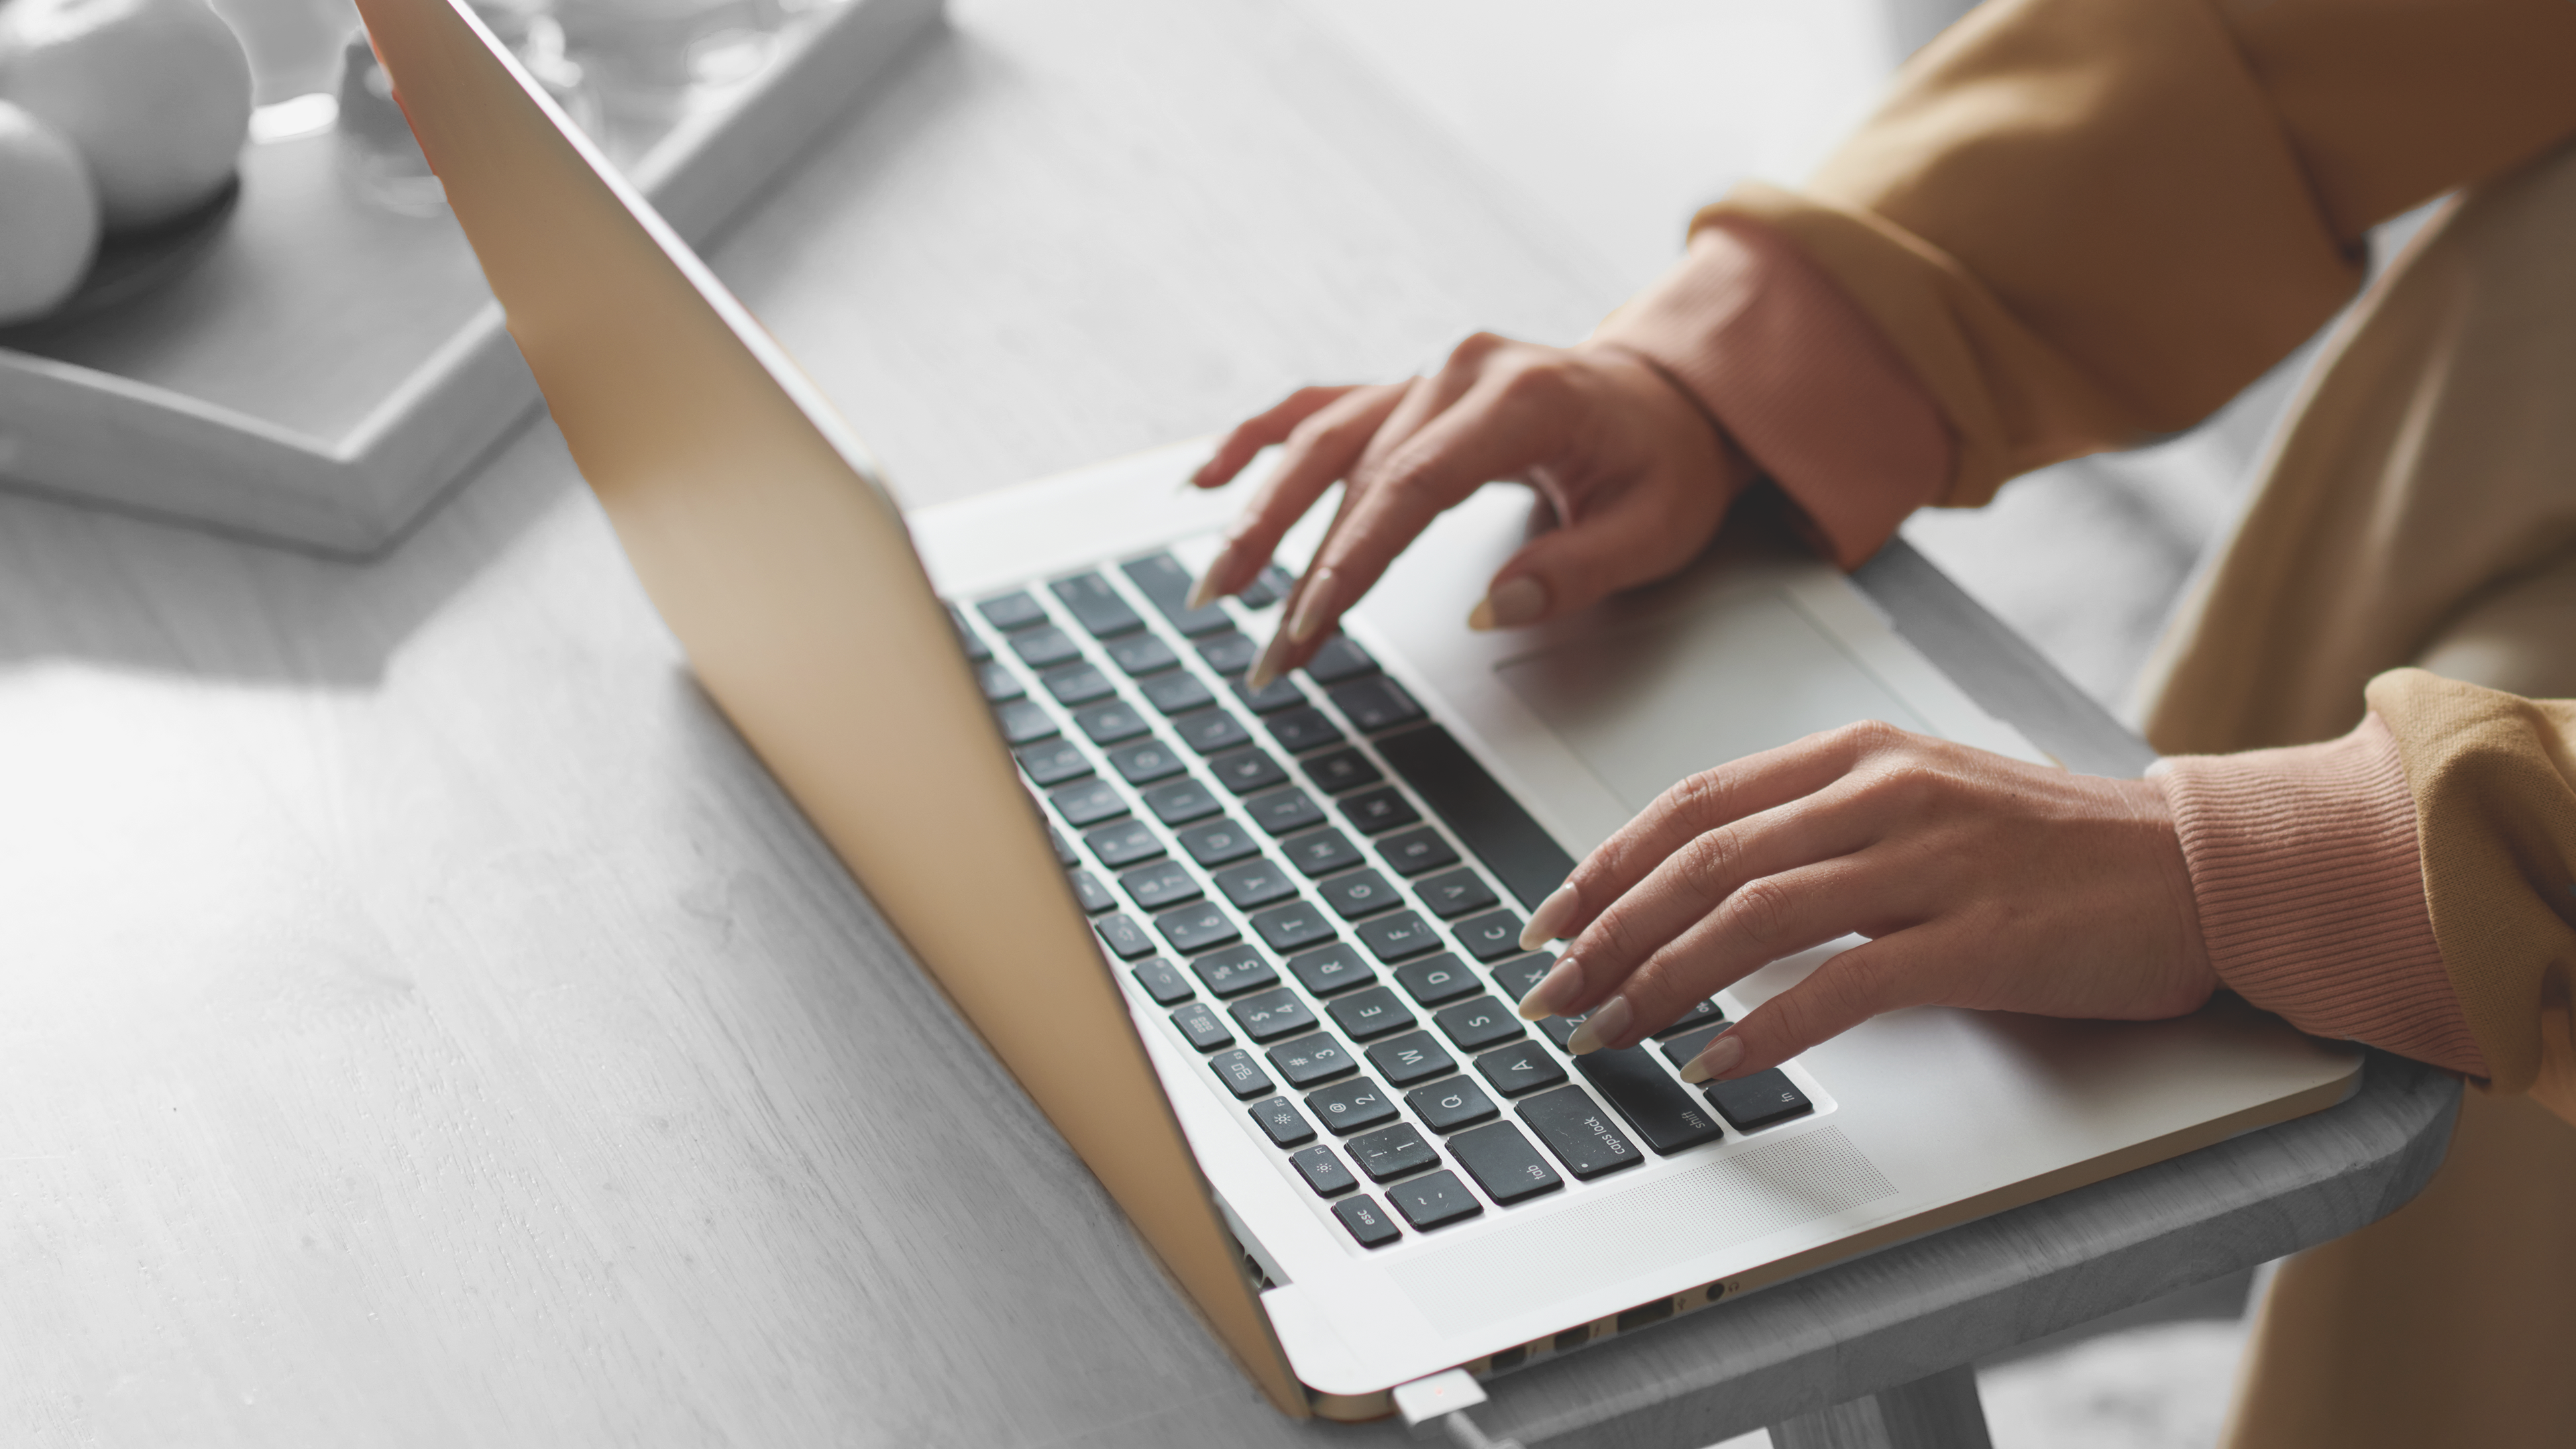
{"type": "Point", "coordinates": [1757, 1101]}
{"type": "Point", "coordinates": [1278, 694]}
{"type": "Point", "coordinates": [1229, 653]}
{"type": "Point", "coordinates": [1064, 855]}
{"type": "Point", "coordinates": [1376, 703]}
{"type": "Point", "coordinates": [1284, 812]}
{"type": "Point", "coordinates": [1368, 1015]}
{"type": "Point", "coordinates": [1300, 730]}
{"type": "Point", "coordinates": [1518, 976]}
{"type": "Point", "coordinates": [1353, 1106]}
{"type": "Point", "coordinates": [1214, 843]}
{"type": "Point", "coordinates": [1124, 938]}
{"type": "Point", "coordinates": [1177, 693]}
{"type": "Point", "coordinates": [1311, 1061]}
{"type": "Point", "coordinates": [1202, 927]}
{"type": "Point", "coordinates": [1393, 1153]}
{"type": "Point", "coordinates": [1094, 896]}
{"type": "Point", "coordinates": [1142, 654]}
{"type": "Point", "coordinates": [1112, 723]}
{"type": "Point", "coordinates": [1560, 1030]}
{"type": "Point", "coordinates": [1360, 893]}
{"type": "Point", "coordinates": [1011, 611]}
{"type": "Point", "coordinates": [1077, 684]}
{"type": "Point", "coordinates": [1328, 969]}
{"type": "Point", "coordinates": [1367, 1222]}
{"type": "Point", "coordinates": [1267, 588]}
{"type": "Point", "coordinates": [1210, 731]}
{"type": "Point", "coordinates": [1119, 846]}
{"type": "Point", "coordinates": [1521, 1067]}
{"type": "Point", "coordinates": [1292, 927]}
{"type": "Point", "coordinates": [1339, 659]}
{"type": "Point", "coordinates": [1088, 803]}
{"type": "Point", "coordinates": [1438, 979]}
{"type": "Point", "coordinates": [1241, 1074]}
{"type": "Point", "coordinates": [1340, 770]}
{"type": "Point", "coordinates": [1052, 762]}
{"type": "Point", "coordinates": [1413, 1057]}
{"type": "Point", "coordinates": [998, 682]}
{"type": "Point", "coordinates": [1661, 1110]}
{"type": "Point", "coordinates": [1703, 1012]}
{"type": "Point", "coordinates": [1255, 883]}
{"type": "Point", "coordinates": [1162, 580]}
{"type": "Point", "coordinates": [1416, 851]}
{"type": "Point", "coordinates": [1504, 1164]}
{"type": "Point", "coordinates": [1183, 801]}
{"type": "Point", "coordinates": [1045, 647]}
{"type": "Point", "coordinates": [1284, 1124]}
{"type": "Point", "coordinates": [1680, 1048]}
{"type": "Point", "coordinates": [977, 651]}
{"type": "Point", "coordinates": [1201, 1026]}
{"type": "Point", "coordinates": [1246, 771]}
{"type": "Point", "coordinates": [1143, 764]}
{"type": "Point", "coordinates": [1160, 886]}
{"type": "Point", "coordinates": [1375, 812]}
{"type": "Point", "coordinates": [1024, 720]}
{"type": "Point", "coordinates": [1321, 853]}
{"type": "Point", "coordinates": [1490, 937]}
{"type": "Point", "coordinates": [1515, 847]}
{"type": "Point", "coordinates": [1579, 1133]}
{"type": "Point", "coordinates": [1095, 606]}
{"type": "Point", "coordinates": [1323, 1172]}
{"type": "Point", "coordinates": [1452, 894]}
{"type": "Point", "coordinates": [1398, 937]}
{"type": "Point", "coordinates": [1233, 972]}
{"type": "Point", "coordinates": [1477, 1024]}
{"type": "Point", "coordinates": [1270, 1015]}
{"type": "Point", "coordinates": [1163, 981]}
{"type": "Point", "coordinates": [1449, 1105]}
{"type": "Point", "coordinates": [1434, 1200]}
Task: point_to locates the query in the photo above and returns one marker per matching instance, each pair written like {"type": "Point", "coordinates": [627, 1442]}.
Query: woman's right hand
{"type": "Point", "coordinates": [1637, 472]}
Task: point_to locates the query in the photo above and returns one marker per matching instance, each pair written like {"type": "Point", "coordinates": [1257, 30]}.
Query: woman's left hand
{"type": "Point", "coordinates": [1980, 881]}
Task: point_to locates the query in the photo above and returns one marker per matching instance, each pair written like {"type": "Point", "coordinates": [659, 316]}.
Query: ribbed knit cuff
{"type": "Point", "coordinates": [1798, 376]}
{"type": "Point", "coordinates": [2311, 892]}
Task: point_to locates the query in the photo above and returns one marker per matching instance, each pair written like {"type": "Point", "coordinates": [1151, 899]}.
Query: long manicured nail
{"type": "Point", "coordinates": [1553, 990]}
{"type": "Point", "coordinates": [1266, 668]}
{"type": "Point", "coordinates": [1604, 1025]}
{"type": "Point", "coordinates": [1512, 603]}
{"type": "Point", "coordinates": [1549, 920]}
{"type": "Point", "coordinates": [1205, 591]}
{"type": "Point", "coordinates": [1718, 1056]}
{"type": "Point", "coordinates": [1314, 605]}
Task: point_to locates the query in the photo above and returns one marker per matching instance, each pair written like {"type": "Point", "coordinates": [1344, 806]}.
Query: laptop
{"type": "Point", "coordinates": [1255, 952]}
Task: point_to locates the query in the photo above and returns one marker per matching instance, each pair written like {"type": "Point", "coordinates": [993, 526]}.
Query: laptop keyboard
{"type": "Point", "coordinates": [1321, 892]}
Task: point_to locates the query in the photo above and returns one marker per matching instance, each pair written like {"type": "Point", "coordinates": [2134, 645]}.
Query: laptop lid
{"type": "Point", "coordinates": [755, 521]}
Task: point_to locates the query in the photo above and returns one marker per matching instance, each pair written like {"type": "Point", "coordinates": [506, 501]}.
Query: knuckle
{"type": "Point", "coordinates": [1703, 796]}
{"type": "Point", "coordinates": [1761, 910]}
{"type": "Point", "coordinates": [1869, 736]}
{"type": "Point", "coordinates": [1475, 347]}
{"type": "Point", "coordinates": [1536, 382]}
{"type": "Point", "coordinates": [1707, 860]}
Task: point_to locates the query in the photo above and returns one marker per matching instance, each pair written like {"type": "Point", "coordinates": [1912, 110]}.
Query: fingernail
{"type": "Point", "coordinates": [1314, 601]}
{"type": "Point", "coordinates": [1553, 990]}
{"type": "Point", "coordinates": [1603, 1026]}
{"type": "Point", "coordinates": [1512, 603]}
{"type": "Point", "coordinates": [1548, 921]}
{"type": "Point", "coordinates": [1718, 1056]}
{"type": "Point", "coordinates": [1266, 668]}
{"type": "Point", "coordinates": [1204, 591]}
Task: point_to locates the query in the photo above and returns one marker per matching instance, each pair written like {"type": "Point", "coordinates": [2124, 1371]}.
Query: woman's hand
{"type": "Point", "coordinates": [1980, 881]}
{"type": "Point", "coordinates": [1638, 474]}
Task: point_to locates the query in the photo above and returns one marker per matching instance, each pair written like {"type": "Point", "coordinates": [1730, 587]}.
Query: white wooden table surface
{"type": "Point", "coordinates": [422, 1023]}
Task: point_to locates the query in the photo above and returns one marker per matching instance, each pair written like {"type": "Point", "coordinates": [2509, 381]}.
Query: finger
{"type": "Point", "coordinates": [1641, 533]}
{"type": "Point", "coordinates": [1888, 974]}
{"type": "Point", "coordinates": [1261, 430]}
{"type": "Point", "coordinates": [1319, 451]}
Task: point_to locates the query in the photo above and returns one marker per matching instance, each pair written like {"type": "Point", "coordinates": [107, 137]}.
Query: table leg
{"type": "Point", "coordinates": [1939, 1411]}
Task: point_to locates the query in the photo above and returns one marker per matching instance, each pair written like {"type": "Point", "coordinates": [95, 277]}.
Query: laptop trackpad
{"type": "Point", "coordinates": [1649, 703]}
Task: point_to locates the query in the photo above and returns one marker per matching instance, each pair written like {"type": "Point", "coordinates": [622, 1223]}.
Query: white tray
{"type": "Point", "coordinates": [332, 365]}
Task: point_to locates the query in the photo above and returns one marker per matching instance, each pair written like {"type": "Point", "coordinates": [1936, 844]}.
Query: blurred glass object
{"type": "Point", "coordinates": [648, 53]}
{"type": "Point", "coordinates": [294, 45]}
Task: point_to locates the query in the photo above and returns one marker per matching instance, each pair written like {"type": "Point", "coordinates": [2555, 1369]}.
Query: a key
{"type": "Point", "coordinates": [1246, 771]}
{"type": "Point", "coordinates": [1284, 812]}
{"type": "Point", "coordinates": [1235, 971]}
{"type": "Point", "coordinates": [1110, 724]}
{"type": "Point", "coordinates": [1052, 762]}
{"type": "Point", "coordinates": [1416, 851]}
{"type": "Point", "coordinates": [1339, 659]}
{"type": "Point", "coordinates": [1397, 937]}
{"type": "Point", "coordinates": [1521, 974]}
{"type": "Point", "coordinates": [1491, 936]}
{"type": "Point", "coordinates": [1142, 654]}
{"type": "Point", "coordinates": [1375, 812]}
{"type": "Point", "coordinates": [1045, 647]}
{"type": "Point", "coordinates": [1452, 894]}
{"type": "Point", "coordinates": [1177, 693]}
{"type": "Point", "coordinates": [1215, 843]}
{"type": "Point", "coordinates": [1095, 606]}
{"type": "Point", "coordinates": [1360, 893]}
{"type": "Point", "coordinates": [1414, 1057]}
{"type": "Point", "coordinates": [1321, 853]}
{"type": "Point", "coordinates": [1520, 852]}
{"type": "Point", "coordinates": [1124, 938]}
{"type": "Point", "coordinates": [1202, 1027]}
{"type": "Point", "coordinates": [1240, 1073]}
{"type": "Point", "coordinates": [1446, 1106]}
{"type": "Point", "coordinates": [1560, 1029]}
{"type": "Point", "coordinates": [1282, 1122]}
{"type": "Point", "coordinates": [1143, 764]}
{"type": "Point", "coordinates": [1088, 803]}
{"type": "Point", "coordinates": [1182, 801]}
{"type": "Point", "coordinates": [1328, 969]}
{"type": "Point", "coordinates": [1163, 884]}
{"type": "Point", "coordinates": [1278, 694]}
{"type": "Point", "coordinates": [1211, 731]}
{"type": "Point", "coordinates": [1312, 1060]}
{"type": "Point", "coordinates": [1434, 1200]}
{"type": "Point", "coordinates": [1659, 1109]}
{"type": "Point", "coordinates": [1521, 1067]}
{"type": "Point", "coordinates": [1680, 1049]}
{"type": "Point", "coordinates": [1228, 653]}
{"type": "Point", "coordinates": [1094, 896]}
{"type": "Point", "coordinates": [1760, 1100]}
{"type": "Point", "coordinates": [1254, 884]}
{"type": "Point", "coordinates": [998, 682]}
{"type": "Point", "coordinates": [1064, 855]}
{"type": "Point", "coordinates": [1375, 703]}
{"type": "Point", "coordinates": [1302, 729]}
{"type": "Point", "coordinates": [977, 651]}
{"type": "Point", "coordinates": [1023, 721]}
{"type": "Point", "coordinates": [1007, 612]}
{"type": "Point", "coordinates": [1348, 1107]}
{"type": "Point", "coordinates": [1579, 1133]}
{"type": "Point", "coordinates": [1323, 1171]}
{"type": "Point", "coordinates": [1368, 1015]}
{"type": "Point", "coordinates": [1162, 981]}
{"type": "Point", "coordinates": [1504, 1164]}
{"type": "Point", "coordinates": [1269, 1015]}
{"type": "Point", "coordinates": [1338, 770]}
{"type": "Point", "coordinates": [1162, 580]}
{"type": "Point", "coordinates": [1125, 844]}
{"type": "Point", "coordinates": [1438, 979]}
{"type": "Point", "coordinates": [1477, 1023]}
{"type": "Point", "coordinates": [1077, 684]}
{"type": "Point", "coordinates": [1703, 1012]}
{"type": "Point", "coordinates": [1366, 1221]}
{"type": "Point", "coordinates": [1193, 929]}
{"type": "Point", "coordinates": [1267, 588]}
{"type": "Point", "coordinates": [1292, 927]}
{"type": "Point", "coordinates": [1393, 1153]}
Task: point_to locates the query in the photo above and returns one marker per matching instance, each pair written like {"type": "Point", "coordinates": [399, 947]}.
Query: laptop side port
{"type": "Point", "coordinates": [1645, 1313]}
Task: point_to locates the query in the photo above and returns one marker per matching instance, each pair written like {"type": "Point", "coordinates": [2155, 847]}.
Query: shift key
{"type": "Point", "coordinates": [1664, 1112]}
{"type": "Point", "coordinates": [1580, 1134]}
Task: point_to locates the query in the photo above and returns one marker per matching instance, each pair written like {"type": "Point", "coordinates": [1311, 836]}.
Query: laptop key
{"type": "Point", "coordinates": [1393, 1153]}
{"type": "Point", "coordinates": [1192, 929]}
{"type": "Point", "coordinates": [1181, 802]}
{"type": "Point", "coordinates": [1235, 971]}
{"type": "Point", "coordinates": [1215, 843]}
{"type": "Point", "coordinates": [1095, 605]}
{"type": "Point", "coordinates": [1560, 1029]}
{"type": "Point", "coordinates": [1702, 1012]}
{"type": "Point", "coordinates": [1321, 853]}
{"type": "Point", "coordinates": [1024, 720]}
{"type": "Point", "coordinates": [1094, 896]}
{"type": "Point", "coordinates": [1267, 588]}
{"type": "Point", "coordinates": [1311, 1061]}
{"type": "Point", "coordinates": [1438, 979]}
{"type": "Point", "coordinates": [1064, 855]}
{"type": "Point", "coordinates": [1504, 1164]}
{"type": "Point", "coordinates": [1254, 884]}
{"type": "Point", "coordinates": [1112, 723]}
{"type": "Point", "coordinates": [1521, 973]}
{"type": "Point", "coordinates": [1352, 1106]}
{"type": "Point", "coordinates": [1052, 762]}
{"type": "Point", "coordinates": [1340, 770]}
{"type": "Point", "coordinates": [1375, 812]}
{"type": "Point", "coordinates": [1241, 1074]}
{"type": "Point", "coordinates": [1661, 1110]}
{"type": "Point", "coordinates": [1229, 653]}
{"type": "Point", "coordinates": [1760, 1100]}
{"type": "Point", "coordinates": [1578, 1133]}
{"type": "Point", "coordinates": [1679, 1049]}
{"type": "Point", "coordinates": [1339, 659]}
{"type": "Point", "coordinates": [1522, 1067]}
{"type": "Point", "coordinates": [1119, 846]}
{"type": "Point", "coordinates": [1143, 764]}
{"type": "Point", "coordinates": [1302, 729]}
{"type": "Point", "coordinates": [1452, 894]}
{"type": "Point", "coordinates": [1489, 937]}
{"type": "Point", "coordinates": [1125, 939]}
{"type": "Point", "coordinates": [1416, 851]}
{"type": "Point", "coordinates": [1368, 1015]}
{"type": "Point", "coordinates": [977, 651]}
{"type": "Point", "coordinates": [1284, 812]}
{"type": "Point", "coordinates": [998, 682]}
{"type": "Point", "coordinates": [1142, 654]}
{"type": "Point", "coordinates": [1323, 1171]}
{"type": "Point", "coordinates": [1007, 612]}
{"type": "Point", "coordinates": [1162, 580]}
{"type": "Point", "coordinates": [1396, 937]}
{"type": "Point", "coordinates": [1201, 1026]}
{"type": "Point", "coordinates": [1077, 684]}
{"type": "Point", "coordinates": [1413, 1057]}
{"type": "Point", "coordinates": [1211, 731]}
{"type": "Point", "coordinates": [1375, 703]}
{"type": "Point", "coordinates": [1045, 647]}
{"type": "Point", "coordinates": [1434, 1200]}
{"type": "Point", "coordinates": [1370, 1225]}
{"type": "Point", "coordinates": [1163, 981]}
{"type": "Point", "coordinates": [1477, 1024]}
{"type": "Point", "coordinates": [1163, 884]}
{"type": "Point", "coordinates": [1088, 803]}
{"type": "Point", "coordinates": [1447, 1106]}
{"type": "Point", "coordinates": [1520, 852]}
{"type": "Point", "coordinates": [1278, 694]}
{"type": "Point", "coordinates": [1292, 927]}
{"type": "Point", "coordinates": [1282, 1122]}
{"type": "Point", "coordinates": [1360, 893]}
{"type": "Point", "coordinates": [1269, 1015]}
{"type": "Point", "coordinates": [1330, 968]}
{"type": "Point", "coordinates": [1177, 693]}
{"type": "Point", "coordinates": [1246, 771]}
